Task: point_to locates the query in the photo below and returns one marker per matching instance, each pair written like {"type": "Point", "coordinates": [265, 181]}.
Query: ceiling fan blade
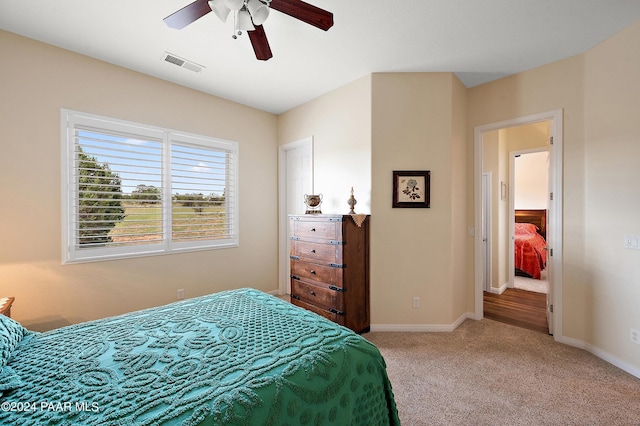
{"type": "Point", "coordinates": [260, 43]}
{"type": "Point", "coordinates": [305, 12]}
{"type": "Point", "coordinates": [188, 14]}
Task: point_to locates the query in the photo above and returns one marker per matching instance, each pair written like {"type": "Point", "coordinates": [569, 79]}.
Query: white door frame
{"type": "Point", "coordinates": [284, 283]}
{"type": "Point", "coordinates": [554, 219]}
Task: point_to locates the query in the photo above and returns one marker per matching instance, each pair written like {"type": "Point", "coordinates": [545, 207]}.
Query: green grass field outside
{"type": "Point", "coordinates": [143, 223]}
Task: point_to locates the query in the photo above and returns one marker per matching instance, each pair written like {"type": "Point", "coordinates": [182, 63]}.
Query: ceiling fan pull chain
{"type": "Point", "coordinates": [235, 25]}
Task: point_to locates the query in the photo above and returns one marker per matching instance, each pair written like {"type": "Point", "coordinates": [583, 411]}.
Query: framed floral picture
{"type": "Point", "coordinates": [411, 189]}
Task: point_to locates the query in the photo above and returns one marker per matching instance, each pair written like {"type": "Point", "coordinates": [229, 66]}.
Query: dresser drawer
{"type": "Point", "coordinates": [328, 275]}
{"type": "Point", "coordinates": [319, 252]}
{"type": "Point", "coordinates": [335, 317]}
{"type": "Point", "coordinates": [315, 229]}
{"type": "Point", "coordinates": [317, 295]}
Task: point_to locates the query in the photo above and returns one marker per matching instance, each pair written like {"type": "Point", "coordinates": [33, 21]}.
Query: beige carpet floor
{"type": "Point", "coordinates": [489, 373]}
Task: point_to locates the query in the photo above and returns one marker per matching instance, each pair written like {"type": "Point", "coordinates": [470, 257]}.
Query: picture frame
{"type": "Point", "coordinates": [411, 189]}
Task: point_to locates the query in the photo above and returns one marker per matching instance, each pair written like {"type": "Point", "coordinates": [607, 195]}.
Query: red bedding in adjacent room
{"type": "Point", "coordinates": [530, 254]}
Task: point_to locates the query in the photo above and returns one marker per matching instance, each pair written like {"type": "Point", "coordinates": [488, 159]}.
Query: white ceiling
{"type": "Point", "coordinates": [479, 40]}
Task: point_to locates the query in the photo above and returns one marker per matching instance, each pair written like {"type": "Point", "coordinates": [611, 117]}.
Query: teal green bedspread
{"type": "Point", "coordinates": [239, 357]}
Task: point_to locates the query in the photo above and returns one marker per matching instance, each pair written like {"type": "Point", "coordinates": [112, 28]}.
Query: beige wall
{"type": "Point", "coordinates": [340, 123]}
{"type": "Point", "coordinates": [599, 93]}
{"type": "Point", "coordinates": [491, 150]}
{"type": "Point", "coordinates": [41, 80]}
{"type": "Point", "coordinates": [531, 187]}
{"type": "Point", "coordinates": [418, 124]}
{"type": "Point", "coordinates": [605, 290]}
{"type": "Point", "coordinates": [462, 287]}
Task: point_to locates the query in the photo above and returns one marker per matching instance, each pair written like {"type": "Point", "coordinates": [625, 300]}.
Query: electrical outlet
{"type": "Point", "coordinates": [632, 242]}
{"type": "Point", "coordinates": [181, 294]}
{"type": "Point", "coordinates": [635, 336]}
{"type": "Point", "coordinates": [416, 302]}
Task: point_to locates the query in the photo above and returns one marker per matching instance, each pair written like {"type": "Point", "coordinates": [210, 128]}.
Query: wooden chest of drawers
{"type": "Point", "coordinates": [330, 267]}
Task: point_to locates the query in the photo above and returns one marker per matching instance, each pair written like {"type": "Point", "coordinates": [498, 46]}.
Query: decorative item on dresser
{"type": "Point", "coordinates": [352, 202]}
{"type": "Point", "coordinates": [5, 306]}
{"type": "Point", "coordinates": [313, 203]}
{"type": "Point", "coordinates": [330, 267]}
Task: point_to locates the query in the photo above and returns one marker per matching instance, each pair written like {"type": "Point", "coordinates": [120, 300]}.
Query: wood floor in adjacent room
{"type": "Point", "coordinates": [522, 308]}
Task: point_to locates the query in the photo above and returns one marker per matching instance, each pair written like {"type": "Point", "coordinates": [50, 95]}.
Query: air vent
{"type": "Point", "coordinates": [176, 60]}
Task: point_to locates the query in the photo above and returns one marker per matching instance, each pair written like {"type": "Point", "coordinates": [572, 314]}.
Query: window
{"type": "Point", "coordinates": [135, 190]}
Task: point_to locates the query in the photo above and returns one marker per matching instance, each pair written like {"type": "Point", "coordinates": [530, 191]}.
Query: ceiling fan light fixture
{"type": "Point", "coordinates": [244, 22]}
{"type": "Point", "coordinates": [234, 4]}
{"type": "Point", "coordinates": [259, 11]}
{"type": "Point", "coordinates": [218, 7]}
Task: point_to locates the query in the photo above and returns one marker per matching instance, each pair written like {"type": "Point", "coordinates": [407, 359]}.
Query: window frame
{"type": "Point", "coordinates": [72, 253]}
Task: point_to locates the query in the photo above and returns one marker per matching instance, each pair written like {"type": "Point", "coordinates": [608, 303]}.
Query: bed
{"type": "Point", "coordinates": [239, 357]}
{"type": "Point", "coordinates": [530, 254]}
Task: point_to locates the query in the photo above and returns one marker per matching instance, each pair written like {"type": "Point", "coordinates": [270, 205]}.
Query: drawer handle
{"type": "Point", "coordinates": [313, 272]}
{"type": "Point", "coordinates": [313, 229]}
{"type": "Point", "coordinates": [313, 293]}
{"type": "Point", "coordinates": [313, 251]}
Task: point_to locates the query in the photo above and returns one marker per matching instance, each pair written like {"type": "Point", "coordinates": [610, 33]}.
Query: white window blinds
{"type": "Point", "coordinates": [200, 179]}
{"type": "Point", "coordinates": [133, 190]}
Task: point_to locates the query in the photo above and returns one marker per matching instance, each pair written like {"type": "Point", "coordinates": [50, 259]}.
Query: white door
{"type": "Point", "coordinates": [295, 180]}
{"type": "Point", "coordinates": [552, 212]}
{"type": "Point", "coordinates": [298, 178]}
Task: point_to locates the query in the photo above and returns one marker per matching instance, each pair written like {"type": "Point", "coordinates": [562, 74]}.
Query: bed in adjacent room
{"type": "Point", "coordinates": [530, 245]}
{"type": "Point", "coordinates": [240, 357]}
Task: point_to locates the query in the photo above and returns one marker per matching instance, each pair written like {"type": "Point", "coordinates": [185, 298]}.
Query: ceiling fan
{"type": "Point", "coordinates": [256, 12]}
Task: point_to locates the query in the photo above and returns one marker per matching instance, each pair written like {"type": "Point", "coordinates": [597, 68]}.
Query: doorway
{"type": "Point", "coordinates": [295, 178]}
{"type": "Point", "coordinates": [488, 138]}
{"type": "Point", "coordinates": [528, 204]}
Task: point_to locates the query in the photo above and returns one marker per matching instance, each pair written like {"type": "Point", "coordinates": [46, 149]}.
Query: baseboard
{"type": "Point", "coordinates": [499, 290]}
{"type": "Point", "coordinates": [434, 328]}
{"type": "Point", "coordinates": [423, 328]}
{"type": "Point", "coordinates": [634, 371]}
